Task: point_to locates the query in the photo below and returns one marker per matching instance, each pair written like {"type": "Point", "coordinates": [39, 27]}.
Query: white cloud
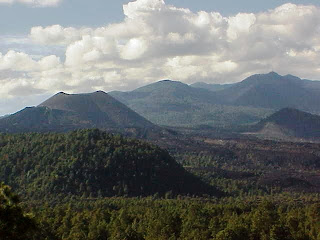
{"type": "Point", "coordinates": [17, 61]}
{"type": "Point", "coordinates": [88, 50]}
{"type": "Point", "coordinates": [57, 35]}
{"type": "Point", "coordinates": [241, 23]}
{"type": "Point", "coordinates": [35, 3]}
{"type": "Point", "coordinates": [133, 49]}
{"type": "Point", "coordinates": [142, 8]}
{"type": "Point", "coordinates": [160, 41]}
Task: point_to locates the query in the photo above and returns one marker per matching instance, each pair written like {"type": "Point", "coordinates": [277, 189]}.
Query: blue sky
{"type": "Point", "coordinates": [48, 46]}
{"type": "Point", "coordinates": [17, 19]}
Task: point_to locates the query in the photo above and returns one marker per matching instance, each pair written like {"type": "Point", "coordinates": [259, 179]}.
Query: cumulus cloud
{"type": "Point", "coordinates": [160, 41]}
{"type": "Point", "coordinates": [57, 35]}
{"type": "Point", "coordinates": [133, 49]}
{"type": "Point", "coordinates": [22, 75]}
{"type": "Point", "coordinates": [35, 3]}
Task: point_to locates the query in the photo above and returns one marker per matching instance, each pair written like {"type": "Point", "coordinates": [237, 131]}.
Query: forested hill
{"type": "Point", "coordinates": [91, 163]}
{"type": "Point", "coordinates": [273, 91]}
{"type": "Point", "coordinates": [172, 103]}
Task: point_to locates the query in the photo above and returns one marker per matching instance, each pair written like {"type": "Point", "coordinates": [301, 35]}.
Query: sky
{"type": "Point", "coordinates": [48, 46]}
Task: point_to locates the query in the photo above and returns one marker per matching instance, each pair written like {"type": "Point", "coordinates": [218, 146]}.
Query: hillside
{"type": "Point", "coordinates": [288, 124]}
{"type": "Point", "coordinates": [173, 103]}
{"type": "Point", "coordinates": [164, 92]}
{"type": "Point", "coordinates": [211, 87]}
{"type": "Point", "coordinates": [91, 163]}
{"type": "Point", "coordinates": [273, 91]}
{"type": "Point", "coordinates": [64, 112]}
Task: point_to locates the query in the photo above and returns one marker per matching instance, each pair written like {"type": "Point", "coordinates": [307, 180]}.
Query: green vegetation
{"type": "Point", "coordinates": [14, 223]}
{"type": "Point", "coordinates": [151, 218]}
{"type": "Point", "coordinates": [89, 184]}
{"type": "Point", "coordinates": [91, 163]}
{"type": "Point", "coordinates": [273, 91]}
{"type": "Point", "coordinates": [171, 103]}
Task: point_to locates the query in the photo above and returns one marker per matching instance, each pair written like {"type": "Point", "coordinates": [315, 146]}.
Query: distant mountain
{"type": "Point", "coordinates": [161, 93]}
{"type": "Point", "coordinates": [171, 103]}
{"type": "Point", "coordinates": [174, 103]}
{"type": "Point", "coordinates": [73, 111]}
{"type": "Point", "coordinates": [289, 124]}
{"type": "Point", "coordinates": [211, 87]}
{"type": "Point", "coordinates": [273, 91]}
{"type": "Point", "coordinates": [92, 163]}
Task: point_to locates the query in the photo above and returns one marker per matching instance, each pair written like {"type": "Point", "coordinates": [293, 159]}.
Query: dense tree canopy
{"type": "Point", "coordinates": [77, 186]}
{"type": "Point", "coordinates": [91, 163]}
{"type": "Point", "coordinates": [149, 218]}
{"type": "Point", "coordinates": [14, 223]}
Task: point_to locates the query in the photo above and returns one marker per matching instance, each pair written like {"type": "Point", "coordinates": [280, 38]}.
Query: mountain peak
{"type": "Point", "coordinates": [271, 78]}
{"type": "Point", "coordinates": [163, 85]}
{"type": "Point", "coordinates": [272, 73]}
{"type": "Point", "coordinates": [61, 93]}
{"type": "Point", "coordinates": [72, 111]}
{"type": "Point", "coordinates": [166, 80]}
{"type": "Point", "coordinates": [266, 76]}
{"type": "Point", "coordinates": [99, 92]}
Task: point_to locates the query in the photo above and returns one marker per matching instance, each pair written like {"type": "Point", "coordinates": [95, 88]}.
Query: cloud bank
{"type": "Point", "coordinates": [159, 41]}
{"type": "Point", "coordinates": [34, 3]}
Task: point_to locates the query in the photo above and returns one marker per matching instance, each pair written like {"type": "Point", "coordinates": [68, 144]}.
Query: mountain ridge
{"type": "Point", "coordinates": [171, 103]}
{"type": "Point", "coordinates": [174, 104]}
{"type": "Point", "coordinates": [273, 91]}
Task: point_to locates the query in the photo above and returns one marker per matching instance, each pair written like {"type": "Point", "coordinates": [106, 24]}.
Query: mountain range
{"type": "Point", "coordinates": [273, 91]}
{"type": "Point", "coordinates": [109, 166]}
{"type": "Point", "coordinates": [173, 103]}
{"type": "Point", "coordinates": [170, 103]}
